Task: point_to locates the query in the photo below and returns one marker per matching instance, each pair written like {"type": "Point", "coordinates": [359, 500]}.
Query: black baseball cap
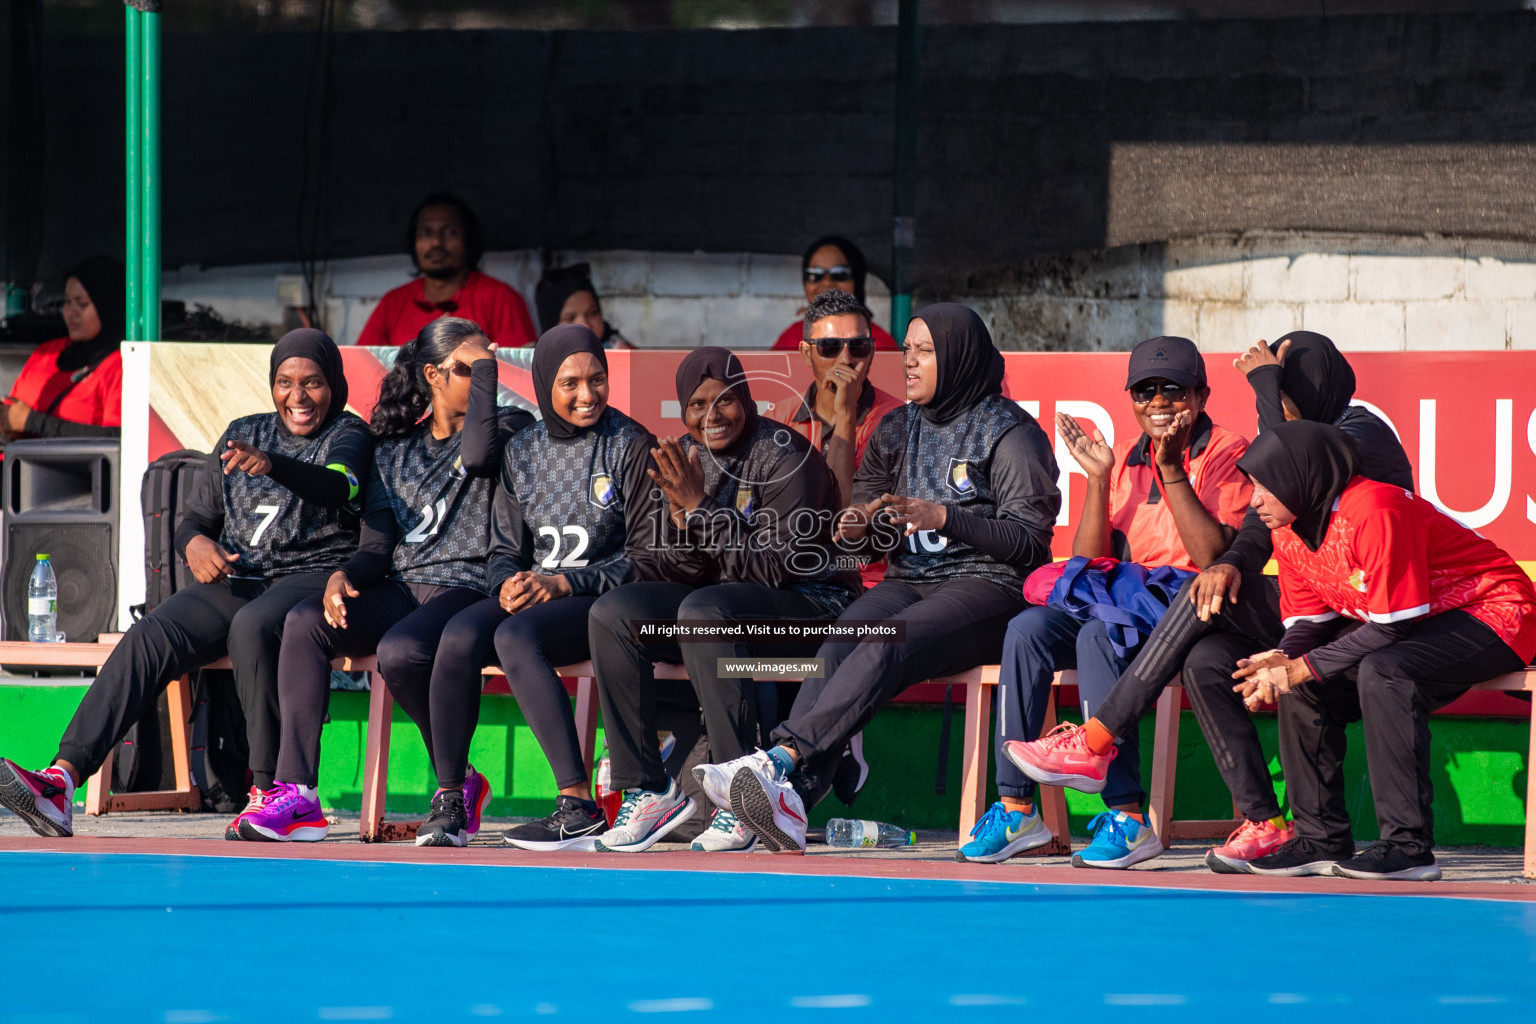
{"type": "Point", "coordinates": [1175, 359]}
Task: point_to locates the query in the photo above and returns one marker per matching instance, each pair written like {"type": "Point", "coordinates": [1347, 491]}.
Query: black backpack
{"type": "Point", "coordinates": [142, 761]}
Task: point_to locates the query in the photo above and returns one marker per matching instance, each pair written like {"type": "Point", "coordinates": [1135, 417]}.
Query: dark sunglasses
{"type": "Point", "coordinates": [1141, 394]}
{"type": "Point", "coordinates": [841, 272]}
{"type": "Point", "coordinates": [858, 348]}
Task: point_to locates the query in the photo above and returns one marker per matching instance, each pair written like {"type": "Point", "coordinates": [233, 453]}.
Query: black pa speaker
{"type": "Point", "coordinates": [59, 496]}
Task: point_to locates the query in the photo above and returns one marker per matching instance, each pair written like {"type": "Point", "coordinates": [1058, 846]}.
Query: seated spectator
{"type": "Point", "coordinates": [566, 295]}
{"type": "Point", "coordinates": [747, 535]}
{"type": "Point", "coordinates": [445, 244]}
{"type": "Point", "coordinates": [1170, 497]}
{"type": "Point", "coordinates": [1436, 609]}
{"type": "Point", "coordinates": [72, 386]}
{"type": "Point", "coordinates": [264, 528]}
{"type": "Point", "coordinates": [1232, 609]}
{"type": "Point", "coordinates": [958, 487]}
{"type": "Point", "coordinates": [832, 262]}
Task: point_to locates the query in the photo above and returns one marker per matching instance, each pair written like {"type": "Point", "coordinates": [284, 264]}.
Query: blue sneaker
{"type": "Point", "coordinates": [1119, 841]}
{"type": "Point", "coordinates": [1001, 833]}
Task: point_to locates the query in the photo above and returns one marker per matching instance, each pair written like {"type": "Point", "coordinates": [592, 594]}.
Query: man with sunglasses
{"type": "Point", "coordinates": [1173, 496]}
{"type": "Point", "coordinates": [832, 263]}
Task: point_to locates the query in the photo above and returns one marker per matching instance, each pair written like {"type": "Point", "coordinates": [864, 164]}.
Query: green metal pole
{"type": "Point", "coordinates": [909, 44]}
{"type": "Point", "coordinates": [149, 181]}
{"type": "Point", "coordinates": [135, 231]}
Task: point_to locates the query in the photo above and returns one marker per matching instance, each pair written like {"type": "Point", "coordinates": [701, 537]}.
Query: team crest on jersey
{"type": "Point", "coordinates": [744, 500]}
{"type": "Point", "coordinates": [601, 491]}
{"type": "Point", "coordinates": [960, 477]}
{"type": "Point", "coordinates": [1357, 580]}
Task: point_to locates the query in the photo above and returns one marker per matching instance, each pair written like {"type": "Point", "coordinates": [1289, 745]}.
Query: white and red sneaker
{"type": "Point", "coordinates": [1062, 758]}
{"type": "Point", "coordinates": [252, 804]}
{"type": "Point", "coordinates": [715, 779]}
{"type": "Point", "coordinates": [1252, 840]}
{"type": "Point", "coordinates": [769, 806]}
{"type": "Point", "coordinates": [44, 800]}
{"type": "Point", "coordinates": [645, 817]}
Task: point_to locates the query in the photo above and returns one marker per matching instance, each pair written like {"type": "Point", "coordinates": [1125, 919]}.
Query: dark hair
{"type": "Point", "coordinates": [474, 236]}
{"type": "Point", "coordinates": [834, 302]}
{"type": "Point", "coordinates": [851, 253]}
{"type": "Point", "coordinates": [404, 395]}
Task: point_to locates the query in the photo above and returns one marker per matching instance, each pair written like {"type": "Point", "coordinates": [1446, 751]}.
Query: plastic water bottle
{"type": "Point", "coordinates": [868, 834]}
{"type": "Point", "coordinates": [42, 603]}
{"type": "Point", "coordinates": [608, 801]}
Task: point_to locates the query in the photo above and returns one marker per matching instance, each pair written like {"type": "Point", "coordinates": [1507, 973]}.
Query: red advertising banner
{"type": "Point", "coordinates": [1467, 420]}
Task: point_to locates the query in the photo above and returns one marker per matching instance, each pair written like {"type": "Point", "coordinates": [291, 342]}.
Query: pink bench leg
{"type": "Point", "coordinates": [1530, 804]}
{"type": "Point", "coordinates": [1165, 762]}
{"type": "Point", "coordinates": [1053, 801]}
{"type": "Point", "coordinates": [974, 746]}
{"type": "Point", "coordinates": [381, 706]}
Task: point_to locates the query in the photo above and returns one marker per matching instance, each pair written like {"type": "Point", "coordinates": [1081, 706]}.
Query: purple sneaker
{"type": "Point", "coordinates": [289, 814]}
{"type": "Point", "coordinates": [477, 797]}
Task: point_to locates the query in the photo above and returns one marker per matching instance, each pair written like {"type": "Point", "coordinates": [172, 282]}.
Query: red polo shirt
{"type": "Point", "coordinates": [404, 311]}
{"type": "Point", "coordinates": [795, 333]}
{"type": "Point", "coordinates": [1391, 556]}
{"type": "Point", "coordinates": [96, 399]}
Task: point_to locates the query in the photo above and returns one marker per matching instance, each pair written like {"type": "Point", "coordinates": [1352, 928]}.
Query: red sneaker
{"type": "Point", "coordinates": [1252, 840]}
{"type": "Point", "coordinates": [1062, 758]}
{"type": "Point", "coordinates": [44, 800]}
{"type": "Point", "coordinates": [252, 804]}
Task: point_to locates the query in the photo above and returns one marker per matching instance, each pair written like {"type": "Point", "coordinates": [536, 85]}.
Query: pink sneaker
{"type": "Point", "coordinates": [44, 800]}
{"type": "Point", "coordinates": [1062, 758]}
{"type": "Point", "coordinates": [1252, 840]}
{"type": "Point", "coordinates": [252, 803]}
{"type": "Point", "coordinates": [477, 797]}
{"type": "Point", "coordinates": [287, 815]}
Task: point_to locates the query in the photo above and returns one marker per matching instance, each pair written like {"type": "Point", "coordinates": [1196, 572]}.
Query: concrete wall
{"type": "Point", "coordinates": [1366, 292]}
{"type": "Point", "coordinates": [657, 299]}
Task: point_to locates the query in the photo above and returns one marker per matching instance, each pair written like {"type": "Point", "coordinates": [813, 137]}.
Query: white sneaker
{"type": "Point", "coordinates": [771, 807]}
{"type": "Point", "coordinates": [645, 817]}
{"type": "Point", "coordinates": [715, 779]}
{"type": "Point", "coordinates": [726, 834]}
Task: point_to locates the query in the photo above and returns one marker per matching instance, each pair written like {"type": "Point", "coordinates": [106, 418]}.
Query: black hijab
{"type": "Point", "coordinates": [970, 366]}
{"type": "Point", "coordinates": [557, 345]}
{"type": "Point", "coordinates": [309, 343]}
{"type": "Point", "coordinates": [715, 363]}
{"type": "Point", "coordinates": [1307, 466]}
{"type": "Point", "coordinates": [556, 286]}
{"type": "Point", "coordinates": [1316, 376]}
{"type": "Point", "coordinates": [851, 253]}
{"type": "Point", "coordinates": [102, 277]}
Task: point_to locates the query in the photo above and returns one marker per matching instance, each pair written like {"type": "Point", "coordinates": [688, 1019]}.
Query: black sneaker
{"type": "Point", "coordinates": [1303, 856]}
{"type": "Point", "coordinates": [576, 824]}
{"type": "Point", "coordinates": [851, 771]}
{"type": "Point", "coordinates": [448, 824]}
{"type": "Point", "coordinates": [1387, 861]}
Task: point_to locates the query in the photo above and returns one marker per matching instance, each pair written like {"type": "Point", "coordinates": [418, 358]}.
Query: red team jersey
{"type": "Point", "coordinates": [1391, 556]}
{"type": "Point", "coordinates": [404, 311]}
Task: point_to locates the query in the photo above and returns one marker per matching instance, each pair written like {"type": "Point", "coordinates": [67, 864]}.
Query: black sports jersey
{"type": "Point", "coordinates": [956, 464]}
{"type": "Point", "coordinates": [767, 517]}
{"type": "Point", "coordinates": [274, 530]}
{"type": "Point", "coordinates": [442, 513]}
{"type": "Point", "coordinates": [574, 507]}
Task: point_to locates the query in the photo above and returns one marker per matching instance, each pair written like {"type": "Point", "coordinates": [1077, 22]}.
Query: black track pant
{"type": "Point", "coordinates": [206, 621]}
{"type": "Point", "coordinates": [1391, 692]}
{"type": "Point", "coordinates": [399, 621]}
{"type": "Point", "coordinates": [1206, 654]}
{"type": "Point", "coordinates": [626, 677]}
{"type": "Point", "coordinates": [528, 646]}
{"type": "Point", "coordinates": [951, 626]}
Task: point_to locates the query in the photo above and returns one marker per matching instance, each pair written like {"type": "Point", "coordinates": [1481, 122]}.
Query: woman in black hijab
{"type": "Point", "coordinates": [72, 386]}
{"type": "Point", "coordinates": [565, 522]}
{"type": "Point", "coordinates": [265, 526]}
{"type": "Point", "coordinates": [958, 489]}
{"type": "Point", "coordinates": [746, 536]}
{"type": "Point", "coordinates": [1441, 610]}
{"type": "Point", "coordinates": [566, 295]}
